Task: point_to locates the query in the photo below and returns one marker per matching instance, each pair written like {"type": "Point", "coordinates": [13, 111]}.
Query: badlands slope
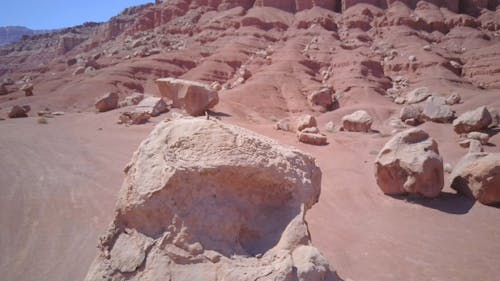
{"type": "Point", "coordinates": [59, 181]}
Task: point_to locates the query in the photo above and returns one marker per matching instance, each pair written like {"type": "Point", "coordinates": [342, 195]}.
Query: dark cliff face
{"type": "Point", "coordinates": [11, 34]}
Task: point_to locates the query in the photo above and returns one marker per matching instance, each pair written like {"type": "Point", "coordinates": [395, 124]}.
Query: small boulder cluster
{"type": "Point", "coordinates": [193, 97]}
{"type": "Point", "coordinates": [410, 163]}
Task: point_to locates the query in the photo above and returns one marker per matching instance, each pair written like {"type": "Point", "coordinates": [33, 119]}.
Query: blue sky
{"type": "Point", "coordinates": [51, 14]}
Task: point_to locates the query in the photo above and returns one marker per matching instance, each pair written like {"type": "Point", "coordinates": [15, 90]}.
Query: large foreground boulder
{"type": "Point", "coordinates": [107, 102]}
{"type": "Point", "coordinates": [203, 200]}
{"type": "Point", "coordinates": [194, 97]}
{"type": "Point", "coordinates": [477, 175]}
{"type": "Point", "coordinates": [474, 120]}
{"type": "Point", "coordinates": [410, 163]}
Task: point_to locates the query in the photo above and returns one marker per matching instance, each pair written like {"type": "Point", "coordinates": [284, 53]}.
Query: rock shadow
{"type": "Point", "coordinates": [451, 203]}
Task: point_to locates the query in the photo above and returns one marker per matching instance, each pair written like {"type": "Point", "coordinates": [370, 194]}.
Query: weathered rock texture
{"type": "Point", "coordinates": [203, 200]}
{"type": "Point", "coordinates": [194, 97]}
{"type": "Point", "coordinates": [477, 175]}
{"type": "Point", "coordinates": [474, 120]}
{"type": "Point", "coordinates": [154, 106]}
{"type": "Point", "coordinates": [410, 163]}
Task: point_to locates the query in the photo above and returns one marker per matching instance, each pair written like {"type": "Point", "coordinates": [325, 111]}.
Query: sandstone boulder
{"type": "Point", "coordinates": [483, 138]}
{"type": "Point", "coordinates": [477, 175]}
{"type": "Point", "coordinates": [134, 118]}
{"type": "Point", "coordinates": [107, 102]}
{"type": "Point", "coordinates": [312, 135]}
{"type": "Point", "coordinates": [411, 112]}
{"type": "Point", "coordinates": [358, 121]}
{"type": "Point", "coordinates": [436, 110]}
{"type": "Point", "coordinates": [282, 125]}
{"type": "Point", "coordinates": [27, 89]}
{"type": "Point", "coordinates": [410, 163]}
{"type": "Point", "coordinates": [453, 98]}
{"type": "Point", "coordinates": [131, 100]}
{"type": "Point", "coordinates": [194, 97]}
{"type": "Point", "coordinates": [474, 120]}
{"type": "Point", "coordinates": [204, 200]}
{"type": "Point", "coordinates": [323, 98]}
{"type": "Point", "coordinates": [305, 121]}
{"type": "Point", "coordinates": [418, 95]}
{"type": "Point", "coordinates": [18, 111]}
{"type": "Point", "coordinates": [154, 106]}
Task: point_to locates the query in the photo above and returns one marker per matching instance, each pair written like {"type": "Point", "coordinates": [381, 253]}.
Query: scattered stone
{"type": "Point", "coordinates": [417, 95]}
{"type": "Point", "coordinates": [453, 99]}
{"type": "Point", "coordinates": [306, 121]}
{"type": "Point", "coordinates": [475, 146]}
{"type": "Point", "coordinates": [412, 58]}
{"type": "Point", "coordinates": [216, 86]}
{"type": "Point", "coordinates": [58, 113]}
{"type": "Point", "coordinates": [411, 112]}
{"type": "Point", "coordinates": [474, 120]}
{"type": "Point", "coordinates": [154, 106]}
{"type": "Point", "coordinates": [71, 62]}
{"type": "Point", "coordinates": [427, 48]}
{"type": "Point", "coordinates": [27, 89]}
{"type": "Point", "coordinates": [312, 136]}
{"type": "Point", "coordinates": [107, 102]}
{"type": "Point", "coordinates": [131, 100]}
{"type": "Point", "coordinates": [18, 111]}
{"type": "Point", "coordinates": [210, 222]}
{"type": "Point", "coordinates": [477, 175]}
{"type": "Point", "coordinates": [194, 97]}
{"type": "Point", "coordinates": [435, 109]}
{"type": "Point", "coordinates": [282, 125]}
{"type": "Point", "coordinates": [410, 163]}
{"type": "Point", "coordinates": [42, 120]}
{"type": "Point", "coordinates": [322, 98]}
{"type": "Point", "coordinates": [79, 70]}
{"type": "Point", "coordinates": [45, 113]}
{"type": "Point", "coordinates": [330, 127]}
{"type": "Point", "coordinates": [448, 168]}
{"type": "Point", "coordinates": [483, 138]}
{"type": "Point", "coordinates": [455, 64]}
{"type": "Point", "coordinates": [134, 118]}
{"type": "Point", "coordinates": [358, 121]}
{"type": "Point", "coordinates": [399, 100]}
{"type": "Point", "coordinates": [90, 70]}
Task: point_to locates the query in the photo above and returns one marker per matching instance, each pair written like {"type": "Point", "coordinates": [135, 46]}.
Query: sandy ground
{"type": "Point", "coordinates": [59, 182]}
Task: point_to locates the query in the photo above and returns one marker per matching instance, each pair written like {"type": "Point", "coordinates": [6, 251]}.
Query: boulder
{"type": "Point", "coordinates": [411, 112]}
{"type": "Point", "coordinates": [483, 138]}
{"type": "Point", "coordinates": [305, 121]}
{"type": "Point", "coordinates": [27, 89]}
{"type": "Point", "coordinates": [194, 97]}
{"type": "Point", "coordinates": [477, 175]}
{"type": "Point", "coordinates": [312, 135]}
{"type": "Point", "coordinates": [154, 106]}
{"type": "Point", "coordinates": [134, 118]}
{"type": "Point", "coordinates": [107, 102]}
{"type": "Point", "coordinates": [410, 163]}
{"type": "Point", "coordinates": [322, 98]}
{"type": "Point", "coordinates": [436, 110]}
{"type": "Point", "coordinates": [453, 99]}
{"type": "Point", "coordinates": [204, 200]}
{"type": "Point", "coordinates": [18, 111]}
{"type": "Point", "coordinates": [79, 70]}
{"type": "Point", "coordinates": [417, 95]}
{"type": "Point", "coordinates": [358, 121]}
{"type": "Point", "coordinates": [131, 100]}
{"type": "Point", "coordinates": [282, 125]}
{"type": "Point", "coordinates": [474, 120]}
